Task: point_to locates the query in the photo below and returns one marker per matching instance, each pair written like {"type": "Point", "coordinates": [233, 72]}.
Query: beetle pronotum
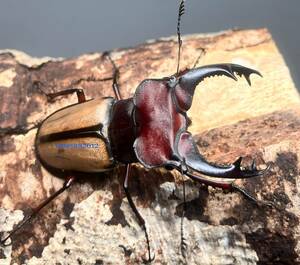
{"type": "Point", "coordinates": [149, 128]}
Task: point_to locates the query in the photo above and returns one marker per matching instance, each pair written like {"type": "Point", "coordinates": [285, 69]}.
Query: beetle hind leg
{"type": "Point", "coordinates": [28, 218]}
{"type": "Point", "coordinates": [140, 219]}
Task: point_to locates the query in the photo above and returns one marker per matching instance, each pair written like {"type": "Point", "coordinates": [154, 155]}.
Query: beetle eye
{"type": "Point", "coordinates": [172, 81]}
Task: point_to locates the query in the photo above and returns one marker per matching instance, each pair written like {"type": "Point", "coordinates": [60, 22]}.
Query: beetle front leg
{"type": "Point", "coordinates": [116, 74]}
{"type": "Point", "coordinates": [230, 186]}
{"type": "Point", "coordinates": [141, 220]}
{"type": "Point", "coordinates": [66, 185]}
{"type": "Point", "coordinates": [250, 197]}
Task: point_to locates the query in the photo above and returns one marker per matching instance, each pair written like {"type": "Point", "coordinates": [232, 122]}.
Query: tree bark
{"type": "Point", "coordinates": [92, 222]}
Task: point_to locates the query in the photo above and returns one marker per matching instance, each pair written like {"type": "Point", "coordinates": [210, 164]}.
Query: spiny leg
{"type": "Point", "coordinates": [183, 244]}
{"type": "Point", "coordinates": [69, 181]}
{"type": "Point", "coordinates": [228, 185]}
{"type": "Point", "coordinates": [250, 197]}
{"type": "Point", "coordinates": [202, 53]}
{"type": "Point", "coordinates": [116, 74]}
{"type": "Point", "coordinates": [51, 96]}
{"type": "Point", "coordinates": [141, 220]}
{"type": "Point", "coordinates": [79, 92]}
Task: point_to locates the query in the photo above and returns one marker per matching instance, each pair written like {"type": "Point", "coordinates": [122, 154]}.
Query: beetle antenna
{"type": "Point", "coordinates": [180, 13]}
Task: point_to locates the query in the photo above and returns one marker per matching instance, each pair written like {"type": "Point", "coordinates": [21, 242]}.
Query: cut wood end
{"type": "Point", "coordinates": [220, 101]}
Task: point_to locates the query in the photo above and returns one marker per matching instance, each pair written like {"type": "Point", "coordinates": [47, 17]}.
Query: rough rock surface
{"type": "Point", "coordinates": [92, 223]}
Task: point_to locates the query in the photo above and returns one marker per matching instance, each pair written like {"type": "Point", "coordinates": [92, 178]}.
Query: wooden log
{"type": "Point", "coordinates": [92, 222]}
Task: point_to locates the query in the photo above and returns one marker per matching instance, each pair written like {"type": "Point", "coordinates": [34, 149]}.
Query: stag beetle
{"type": "Point", "coordinates": [149, 128]}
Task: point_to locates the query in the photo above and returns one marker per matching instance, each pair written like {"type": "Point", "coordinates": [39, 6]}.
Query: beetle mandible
{"type": "Point", "coordinates": [150, 128]}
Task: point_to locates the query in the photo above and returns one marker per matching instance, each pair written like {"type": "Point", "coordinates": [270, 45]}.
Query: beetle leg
{"type": "Point", "coordinates": [78, 91]}
{"type": "Point", "coordinates": [116, 74]}
{"type": "Point", "coordinates": [66, 185]}
{"type": "Point", "coordinates": [202, 53]}
{"type": "Point", "coordinates": [250, 197]}
{"type": "Point", "coordinates": [183, 243]}
{"type": "Point", "coordinates": [52, 96]}
{"type": "Point", "coordinates": [141, 220]}
{"type": "Point", "coordinates": [231, 186]}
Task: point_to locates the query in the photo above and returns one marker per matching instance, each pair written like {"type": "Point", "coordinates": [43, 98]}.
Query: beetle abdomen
{"type": "Point", "coordinates": [75, 138]}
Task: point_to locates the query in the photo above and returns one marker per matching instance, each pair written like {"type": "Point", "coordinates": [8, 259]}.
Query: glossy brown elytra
{"type": "Point", "coordinates": [150, 128]}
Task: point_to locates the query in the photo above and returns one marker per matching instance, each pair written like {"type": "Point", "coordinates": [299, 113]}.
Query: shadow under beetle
{"type": "Point", "coordinates": [150, 128]}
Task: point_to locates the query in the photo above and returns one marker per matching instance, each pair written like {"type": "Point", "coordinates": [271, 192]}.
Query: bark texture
{"type": "Point", "coordinates": [92, 223]}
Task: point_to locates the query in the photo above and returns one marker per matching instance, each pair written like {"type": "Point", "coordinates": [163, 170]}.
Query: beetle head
{"type": "Point", "coordinates": [161, 122]}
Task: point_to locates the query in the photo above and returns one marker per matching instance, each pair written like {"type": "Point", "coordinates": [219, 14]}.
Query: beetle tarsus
{"type": "Point", "coordinates": [150, 259]}
{"type": "Point", "coordinates": [251, 198]}
{"type": "Point", "coordinates": [183, 244]}
{"type": "Point", "coordinates": [141, 220]}
{"type": "Point", "coordinates": [3, 242]}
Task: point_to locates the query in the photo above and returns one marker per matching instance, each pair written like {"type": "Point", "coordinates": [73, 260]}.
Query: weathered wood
{"type": "Point", "coordinates": [92, 222]}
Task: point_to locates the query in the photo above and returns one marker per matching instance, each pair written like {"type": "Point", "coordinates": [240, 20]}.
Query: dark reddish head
{"type": "Point", "coordinates": [159, 122]}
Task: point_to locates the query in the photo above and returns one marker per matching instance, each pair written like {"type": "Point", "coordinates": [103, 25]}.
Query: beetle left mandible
{"type": "Point", "coordinates": [150, 128]}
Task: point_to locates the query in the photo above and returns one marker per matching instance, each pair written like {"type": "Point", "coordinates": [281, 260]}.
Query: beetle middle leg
{"type": "Point", "coordinates": [183, 244]}
{"type": "Point", "coordinates": [67, 184]}
{"type": "Point", "coordinates": [140, 219]}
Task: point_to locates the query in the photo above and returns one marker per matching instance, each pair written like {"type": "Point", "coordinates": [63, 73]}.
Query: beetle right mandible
{"type": "Point", "coordinates": [150, 128]}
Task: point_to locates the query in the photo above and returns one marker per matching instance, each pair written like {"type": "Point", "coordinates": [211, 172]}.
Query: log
{"type": "Point", "coordinates": [92, 222]}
